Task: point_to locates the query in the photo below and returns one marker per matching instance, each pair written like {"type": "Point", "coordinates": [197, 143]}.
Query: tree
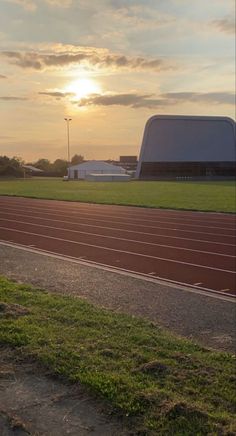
{"type": "Point", "coordinates": [60, 166]}
{"type": "Point", "coordinates": [11, 167]}
{"type": "Point", "coordinates": [77, 159]}
{"type": "Point", "coordinates": [43, 164]}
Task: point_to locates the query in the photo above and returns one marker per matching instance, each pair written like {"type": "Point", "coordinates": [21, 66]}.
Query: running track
{"type": "Point", "coordinates": [192, 248]}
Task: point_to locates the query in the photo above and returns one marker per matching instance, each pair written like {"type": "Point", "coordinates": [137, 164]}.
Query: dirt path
{"type": "Point", "coordinates": [34, 403]}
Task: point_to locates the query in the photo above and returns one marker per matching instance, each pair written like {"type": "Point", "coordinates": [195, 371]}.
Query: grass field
{"type": "Point", "coordinates": [170, 385]}
{"type": "Point", "coordinates": [205, 196]}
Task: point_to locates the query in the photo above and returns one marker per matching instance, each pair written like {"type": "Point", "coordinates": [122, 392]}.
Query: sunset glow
{"type": "Point", "coordinates": [110, 65]}
{"type": "Point", "coordinates": [82, 88]}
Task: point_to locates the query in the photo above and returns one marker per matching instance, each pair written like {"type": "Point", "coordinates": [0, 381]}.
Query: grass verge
{"type": "Point", "coordinates": [171, 385]}
{"type": "Point", "coordinates": [205, 196]}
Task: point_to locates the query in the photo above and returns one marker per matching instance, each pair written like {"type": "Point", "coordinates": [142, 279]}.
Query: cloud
{"type": "Point", "coordinates": [132, 100]}
{"type": "Point", "coordinates": [2, 76]}
{"type": "Point", "coordinates": [59, 3]}
{"type": "Point", "coordinates": [112, 99]}
{"type": "Point", "coordinates": [94, 57]}
{"type": "Point", "coordinates": [28, 5]}
{"type": "Point", "coordinates": [31, 5]}
{"type": "Point", "coordinates": [150, 101]}
{"type": "Point", "coordinates": [57, 94]}
{"type": "Point", "coordinates": [209, 97]}
{"type": "Point", "coordinates": [12, 98]}
{"type": "Point", "coordinates": [226, 25]}
{"type": "Point", "coordinates": [135, 17]}
{"type": "Point", "coordinates": [25, 61]}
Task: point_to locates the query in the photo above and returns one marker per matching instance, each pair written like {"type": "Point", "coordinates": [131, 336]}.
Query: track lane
{"type": "Point", "coordinates": [126, 211]}
{"type": "Point", "coordinates": [230, 231]}
{"type": "Point", "coordinates": [174, 247]}
{"type": "Point", "coordinates": [210, 260]}
{"type": "Point", "coordinates": [214, 236]}
{"type": "Point", "coordinates": [129, 235]}
{"type": "Point", "coordinates": [156, 267]}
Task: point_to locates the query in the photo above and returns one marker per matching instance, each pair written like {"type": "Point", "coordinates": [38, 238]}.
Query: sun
{"type": "Point", "coordinates": [82, 88]}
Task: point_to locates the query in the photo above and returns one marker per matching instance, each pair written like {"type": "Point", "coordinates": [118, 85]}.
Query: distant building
{"type": "Point", "coordinates": [81, 171]}
{"type": "Point", "coordinates": [129, 162]}
{"type": "Point", "coordinates": [198, 147]}
{"type": "Point", "coordinates": [33, 171]}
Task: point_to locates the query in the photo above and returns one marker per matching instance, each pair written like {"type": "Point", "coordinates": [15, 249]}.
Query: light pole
{"type": "Point", "coordinates": [68, 141]}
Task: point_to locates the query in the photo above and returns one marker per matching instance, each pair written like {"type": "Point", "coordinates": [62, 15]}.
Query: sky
{"type": "Point", "coordinates": [109, 65]}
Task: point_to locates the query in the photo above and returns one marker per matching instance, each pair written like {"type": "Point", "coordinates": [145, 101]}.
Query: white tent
{"type": "Point", "coordinates": [80, 171]}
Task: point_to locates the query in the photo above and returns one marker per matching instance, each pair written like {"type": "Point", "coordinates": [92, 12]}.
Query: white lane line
{"type": "Point", "coordinates": [119, 229]}
{"type": "Point", "coordinates": [144, 212]}
{"type": "Point", "coordinates": [42, 212]}
{"type": "Point", "coordinates": [119, 239]}
{"type": "Point", "coordinates": [79, 213]}
{"type": "Point", "coordinates": [122, 271]}
{"type": "Point", "coordinates": [119, 251]}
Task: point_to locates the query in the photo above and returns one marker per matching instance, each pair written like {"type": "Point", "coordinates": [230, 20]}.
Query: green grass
{"type": "Point", "coordinates": [208, 196]}
{"type": "Point", "coordinates": [170, 385]}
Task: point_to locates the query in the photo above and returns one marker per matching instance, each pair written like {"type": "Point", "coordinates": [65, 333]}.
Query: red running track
{"type": "Point", "coordinates": [192, 248]}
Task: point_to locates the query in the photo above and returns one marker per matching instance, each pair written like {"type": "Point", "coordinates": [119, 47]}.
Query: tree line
{"type": "Point", "coordinates": [13, 167]}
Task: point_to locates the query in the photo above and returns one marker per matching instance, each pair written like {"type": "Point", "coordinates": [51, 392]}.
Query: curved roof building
{"type": "Point", "coordinates": [187, 146]}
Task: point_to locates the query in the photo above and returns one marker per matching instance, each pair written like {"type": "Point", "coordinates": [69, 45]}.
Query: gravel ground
{"type": "Point", "coordinates": [209, 321]}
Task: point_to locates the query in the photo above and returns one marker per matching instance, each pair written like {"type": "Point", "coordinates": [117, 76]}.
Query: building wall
{"type": "Point", "coordinates": [176, 146]}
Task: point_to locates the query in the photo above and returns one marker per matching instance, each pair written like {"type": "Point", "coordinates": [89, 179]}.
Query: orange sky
{"type": "Point", "coordinates": [110, 65]}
